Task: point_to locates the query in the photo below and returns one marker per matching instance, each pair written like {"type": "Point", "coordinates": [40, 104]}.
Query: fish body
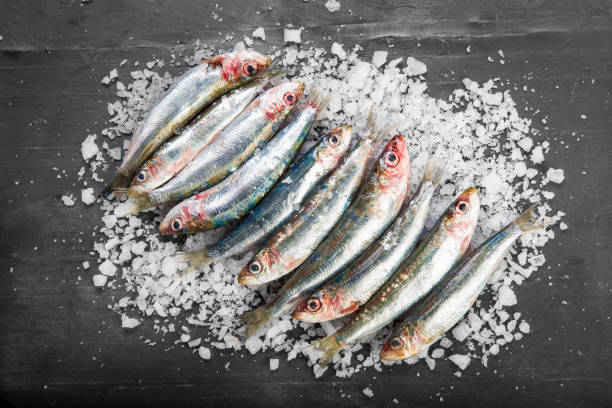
{"type": "Point", "coordinates": [195, 90]}
{"type": "Point", "coordinates": [286, 197]}
{"type": "Point", "coordinates": [441, 249]}
{"type": "Point", "coordinates": [234, 145]}
{"type": "Point", "coordinates": [237, 194]}
{"type": "Point", "coordinates": [446, 304]}
{"type": "Point", "coordinates": [295, 241]}
{"type": "Point", "coordinates": [176, 153]}
{"type": "Point", "coordinates": [353, 287]}
{"type": "Point", "coordinates": [374, 208]}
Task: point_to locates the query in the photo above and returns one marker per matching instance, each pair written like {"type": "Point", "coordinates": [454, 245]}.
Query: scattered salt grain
{"type": "Point", "coordinates": [524, 327]}
{"type": "Point", "coordinates": [437, 353]}
{"type": "Point", "coordinates": [274, 362]}
{"type": "Point", "coordinates": [99, 280]}
{"type": "Point", "coordinates": [87, 196]}
{"type": "Point", "coordinates": [89, 148]}
{"type": "Point", "coordinates": [129, 322]}
{"type": "Point", "coordinates": [555, 175]}
{"type": "Point", "coordinates": [68, 200]}
{"type": "Point", "coordinates": [562, 226]}
{"type": "Point", "coordinates": [368, 392]}
{"type": "Point", "coordinates": [204, 353]}
{"type": "Point", "coordinates": [338, 51]}
{"type": "Point", "coordinates": [259, 33]}
{"type": "Point", "coordinates": [85, 265]}
{"type": "Point", "coordinates": [107, 268]}
{"type": "Point", "coordinates": [332, 5]}
{"type": "Point", "coordinates": [461, 331]}
{"type": "Point", "coordinates": [461, 360]}
{"type": "Point", "coordinates": [379, 58]}
{"type": "Point", "coordinates": [414, 67]}
{"type": "Point", "coordinates": [292, 36]}
{"type": "Point", "coordinates": [506, 296]}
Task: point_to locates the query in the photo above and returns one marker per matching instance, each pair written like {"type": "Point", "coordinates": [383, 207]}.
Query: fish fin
{"type": "Point", "coordinates": [371, 124]}
{"type": "Point", "coordinates": [350, 308]}
{"type": "Point", "coordinates": [255, 320]}
{"type": "Point", "coordinates": [528, 221]}
{"type": "Point", "coordinates": [434, 170]}
{"type": "Point", "coordinates": [330, 346]}
{"type": "Point", "coordinates": [215, 61]}
{"type": "Point", "coordinates": [318, 100]}
{"type": "Point", "coordinates": [196, 260]}
{"type": "Point", "coordinates": [139, 205]}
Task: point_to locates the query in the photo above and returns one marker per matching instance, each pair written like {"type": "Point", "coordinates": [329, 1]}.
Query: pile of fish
{"type": "Point", "coordinates": [350, 241]}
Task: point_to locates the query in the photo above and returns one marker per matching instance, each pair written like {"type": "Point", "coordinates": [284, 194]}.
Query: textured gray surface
{"type": "Point", "coordinates": [60, 346]}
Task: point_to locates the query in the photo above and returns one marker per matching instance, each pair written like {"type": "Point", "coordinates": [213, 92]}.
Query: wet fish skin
{"type": "Point", "coordinates": [441, 249]}
{"type": "Point", "coordinates": [195, 90]}
{"type": "Point", "coordinates": [286, 197]}
{"type": "Point", "coordinates": [353, 287]}
{"type": "Point", "coordinates": [232, 198]}
{"type": "Point", "coordinates": [176, 153]}
{"type": "Point", "coordinates": [450, 300]}
{"type": "Point", "coordinates": [233, 146]}
{"type": "Point", "coordinates": [293, 242]}
{"type": "Point", "coordinates": [373, 210]}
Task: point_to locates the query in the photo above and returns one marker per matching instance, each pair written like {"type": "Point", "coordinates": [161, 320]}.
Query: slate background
{"type": "Point", "coordinates": [59, 345]}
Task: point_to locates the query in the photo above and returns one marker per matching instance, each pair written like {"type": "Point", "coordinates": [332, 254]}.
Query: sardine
{"type": "Point", "coordinates": [176, 153]}
{"type": "Point", "coordinates": [286, 197]}
{"type": "Point", "coordinates": [352, 288]}
{"type": "Point", "coordinates": [231, 199]}
{"type": "Point", "coordinates": [439, 252]}
{"type": "Point", "coordinates": [195, 90]}
{"type": "Point", "coordinates": [296, 240]}
{"type": "Point", "coordinates": [233, 146]}
{"type": "Point", "coordinates": [446, 304]}
{"type": "Point", "coordinates": [376, 205]}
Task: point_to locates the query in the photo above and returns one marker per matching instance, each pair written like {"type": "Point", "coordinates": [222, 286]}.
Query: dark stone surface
{"type": "Point", "coordinates": [60, 346]}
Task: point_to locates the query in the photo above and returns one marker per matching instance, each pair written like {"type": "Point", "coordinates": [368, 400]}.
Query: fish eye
{"type": "Point", "coordinates": [289, 98]}
{"type": "Point", "coordinates": [313, 305]}
{"type": "Point", "coordinates": [177, 224]}
{"type": "Point", "coordinates": [391, 159]}
{"type": "Point", "coordinates": [141, 176]}
{"type": "Point", "coordinates": [249, 68]}
{"type": "Point", "coordinates": [396, 343]}
{"type": "Point", "coordinates": [461, 207]}
{"type": "Point", "coordinates": [255, 267]}
{"type": "Point", "coordinates": [333, 140]}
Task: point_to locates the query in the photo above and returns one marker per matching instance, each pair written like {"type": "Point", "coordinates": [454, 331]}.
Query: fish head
{"type": "Point", "coordinates": [334, 145]}
{"type": "Point", "coordinates": [261, 269]}
{"type": "Point", "coordinates": [145, 180]}
{"type": "Point", "coordinates": [405, 341]}
{"type": "Point", "coordinates": [185, 218]}
{"type": "Point", "coordinates": [394, 165]}
{"type": "Point", "coordinates": [461, 217]}
{"type": "Point", "coordinates": [240, 67]}
{"type": "Point", "coordinates": [322, 306]}
{"type": "Point", "coordinates": [279, 100]}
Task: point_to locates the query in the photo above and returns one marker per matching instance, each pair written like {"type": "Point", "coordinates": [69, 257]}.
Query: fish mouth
{"type": "Point", "coordinates": [138, 191]}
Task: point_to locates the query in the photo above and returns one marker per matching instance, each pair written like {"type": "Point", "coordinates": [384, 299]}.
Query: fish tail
{"type": "Point", "coordinates": [318, 100]}
{"type": "Point", "coordinates": [434, 170]}
{"type": "Point", "coordinates": [371, 124]}
{"type": "Point", "coordinates": [195, 259]}
{"type": "Point", "coordinates": [137, 206]}
{"type": "Point", "coordinates": [330, 346]}
{"type": "Point", "coordinates": [120, 181]}
{"type": "Point", "coordinates": [255, 320]}
{"type": "Point", "coordinates": [528, 220]}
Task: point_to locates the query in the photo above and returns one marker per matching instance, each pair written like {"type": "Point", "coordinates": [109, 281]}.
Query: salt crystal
{"type": "Point", "coordinates": [379, 58]}
{"type": "Point", "coordinates": [89, 148]}
{"type": "Point", "coordinates": [461, 331]}
{"type": "Point", "coordinates": [68, 200]}
{"type": "Point", "coordinates": [85, 265]}
{"type": "Point", "coordinates": [292, 36]}
{"type": "Point", "coordinates": [332, 5]}
{"type": "Point", "coordinates": [524, 327]}
{"type": "Point", "coordinates": [555, 175]}
{"type": "Point", "coordinates": [537, 156]}
{"type": "Point", "coordinates": [87, 196]}
{"type": "Point", "coordinates": [99, 280]}
{"type": "Point", "coordinates": [446, 342]}
{"type": "Point", "coordinates": [338, 51]}
{"type": "Point", "coordinates": [526, 143]}
{"type": "Point", "coordinates": [506, 296]}
{"type": "Point", "coordinates": [368, 392]}
{"type": "Point", "coordinates": [461, 360]}
{"type": "Point", "coordinates": [195, 342]}
{"type": "Point", "coordinates": [204, 353]}
{"type": "Point", "coordinates": [169, 266]}
{"type": "Point", "coordinates": [259, 33]}
{"type": "Point", "coordinates": [129, 322]}
{"type": "Point", "coordinates": [563, 226]}
{"type": "Point", "coordinates": [414, 67]}
{"type": "Point", "coordinates": [274, 362]}
{"type": "Point", "coordinates": [253, 344]}
{"type": "Point", "coordinates": [107, 268]}
{"type": "Point", "coordinates": [437, 353]}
